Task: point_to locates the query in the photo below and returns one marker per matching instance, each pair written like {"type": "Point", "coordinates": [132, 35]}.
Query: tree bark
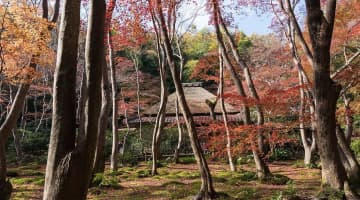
{"type": "Point", "coordinates": [224, 114]}
{"type": "Point", "coordinates": [115, 136]}
{"type": "Point", "coordinates": [326, 92]}
{"type": "Point", "coordinates": [161, 115]}
{"type": "Point", "coordinates": [309, 147]}
{"type": "Point", "coordinates": [99, 163]}
{"type": "Point", "coordinates": [18, 144]}
{"type": "Point", "coordinates": [349, 119]}
{"type": "Point", "coordinates": [262, 168]}
{"type": "Point", "coordinates": [206, 191]}
{"type": "Point", "coordinates": [160, 121]}
{"type": "Point", "coordinates": [351, 164]}
{"type": "Point", "coordinates": [70, 165]}
{"type": "Point", "coordinates": [5, 130]}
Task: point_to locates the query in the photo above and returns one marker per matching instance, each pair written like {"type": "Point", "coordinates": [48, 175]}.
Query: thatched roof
{"type": "Point", "coordinates": [196, 97]}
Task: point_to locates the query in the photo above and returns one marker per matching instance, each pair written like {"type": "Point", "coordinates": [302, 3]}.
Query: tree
{"type": "Point", "coordinates": [18, 68]}
{"type": "Point", "coordinates": [261, 167]}
{"type": "Point", "coordinates": [69, 163]}
{"type": "Point", "coordinates": [206, 191]}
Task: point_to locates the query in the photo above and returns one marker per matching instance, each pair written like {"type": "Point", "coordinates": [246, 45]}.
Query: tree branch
{"type": "Point", "coordinates": [345, 66]}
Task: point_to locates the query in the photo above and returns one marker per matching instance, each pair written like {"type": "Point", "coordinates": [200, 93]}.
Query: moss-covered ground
{"type": "Point", "coordinates": [180, 181]}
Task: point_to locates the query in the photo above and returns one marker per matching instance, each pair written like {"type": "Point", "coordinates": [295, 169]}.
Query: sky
{"type": "Point", "coordinates": [247, 21]}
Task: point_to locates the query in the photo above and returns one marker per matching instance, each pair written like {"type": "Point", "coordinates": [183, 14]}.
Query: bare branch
{"type": "Point", "coordinates": [346, 65]}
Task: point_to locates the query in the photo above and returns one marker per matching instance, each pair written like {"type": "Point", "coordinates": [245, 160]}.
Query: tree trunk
{"type": "Point", "coordinates": [309, 147]}
{"type": "Point", "coordinates": [70, 165]}
{"type": "Point", "coordinates": [99, 164]}
{"type": "Point", "coordinates": [248, 78]}
{"type": "Point", "coordinates": [17, 143]}
{"type": "Point", "coordinates": [326, 92]}
{"type": "Point", "coordinates": [262, 169]}
{"type": "Point", "coordinates": [206, 191]}
{"type": "Point", "coordinates": [180, 132]}
{"type": "Point", "coordinates": [161, 115]}
{"type": "Point", "coordinates": [353, 167]}
{"type": "Point", "coordinates": [224, 114]}
{"type": "Point", "coordinates": [349, 119]}
{"type": "Point", "coordinates": [115, 136]}
{"type": "Point", "coordinates": [5, 130]}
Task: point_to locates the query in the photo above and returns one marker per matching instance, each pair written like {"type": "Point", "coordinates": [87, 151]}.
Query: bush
{"type": "Point", "coordinates": [143, 173]}
{"type": "Point", "coordinates": [187, 160]}
{"type": "Point", "coordinates": [128, 159]}
{"type": "Point", "coordinates": [101, 180]}
{"type": "Point", "coordinates": [276, 179]}
{"type": "Point", "coordinates": [281, 154]}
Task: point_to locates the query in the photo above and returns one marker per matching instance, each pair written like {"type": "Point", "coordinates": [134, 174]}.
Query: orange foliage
{"type": "Point", "coordinates": [25, 40]}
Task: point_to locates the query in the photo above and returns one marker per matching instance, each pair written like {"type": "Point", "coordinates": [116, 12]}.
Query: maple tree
{"type": "Point", "coordinates": [19, 64]}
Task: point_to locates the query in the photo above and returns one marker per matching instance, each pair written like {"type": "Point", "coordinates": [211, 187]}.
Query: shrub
{"type": "Point", "coordinates": [276, 179]}
{"type": "Point", "coordinates": [281, 154]}
{"type": "Point", "coordinates": [101, 180]}
{"type": "Point", "coordinates": [143, 173]}
{"type": "Point", "coordinates": [128, 159]}
{"type": "Point", "coordinates": [187, 160]}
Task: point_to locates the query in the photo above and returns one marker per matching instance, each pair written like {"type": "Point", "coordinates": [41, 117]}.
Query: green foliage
{"type": "Point", "coordinates": [329, 193]}
{"type": "Point", "coordinates": [102, 180]}
{"type": "Point", "coordinates": [233, 178]}
{"type": "Point", "coordinates": [29, 180]}
{"type": "Point", "coordinates": [128, 159]}
{"type": "Point", "coordinates": [244, 43]}
{"type": "Point", "coordinates": [246, 193]}
{"type": "Point", "coordinates": [276, 179]}
{"type": "Point", "coordinates": [355, 146]}
{"type": "Point", "coordinates": [149, 63]}
{"type": "Point", "coordinates": [143, 173]}
{"type": "Point", "coordinates": [281, 153]}
{"type": "Point", "coordinates": [289, 193]}
{"type": "Point", "coordinates": [187, 160]}
{"type": "Point", "coordinates": [189, 68]}
{"type": "Point", "coordinates": [40, 181]}
{"type": "Point", "coordinates": [198, 44]}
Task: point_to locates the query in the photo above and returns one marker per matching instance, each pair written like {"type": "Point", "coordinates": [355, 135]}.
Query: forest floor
{"type": "Point", "coordinates": [180, 181]}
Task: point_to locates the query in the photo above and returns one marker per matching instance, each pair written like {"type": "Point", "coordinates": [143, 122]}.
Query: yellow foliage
{"type": "Point", "coordinates": [25, 39]}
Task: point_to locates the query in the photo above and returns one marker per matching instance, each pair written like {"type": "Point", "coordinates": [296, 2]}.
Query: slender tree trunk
{"type": "Point", "coordinates": [262, 168]}
{"type": "Point", "coordinates": [115, 136]}
{"type": "Point", "coordinates": [70, 165]}
{"type": "Point", "coordinates": [180, 132]}
{"type": "Point", "coordinates": [17, 143]}
{"type": "Point", "coordinates": [136, 66]}
{"type": "Point", "coordinates": [349, 119]}
{"type": "Point", "coordinates": [309, 147]}
{"type": "Point", "coordinates": [224, 114]}
{"type": "Point", "coordinates": [160, 121]}
{"type": "Point", "coordinates": [161, 115]}
{"type": "Point", "coordinates": [206, 191]}
{"type": "Point", "coordinates": [99, 164]}
{"type": "Point", "coordinates": [250, 83]}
